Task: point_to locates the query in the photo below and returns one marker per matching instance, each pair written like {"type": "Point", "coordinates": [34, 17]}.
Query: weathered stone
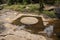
{"type": "Point", "coordinates": [2, 27]}
{"type": "Point", "coordinates": [29, 20]}
{"type": "Point", "coordinates": [36, 27]}
{"type": "Point", "coordinates": [49, 7]}
{"type": "Point", "coordinates": [13, 37]}
{"type": "Point", "coordinates": [27, 35]}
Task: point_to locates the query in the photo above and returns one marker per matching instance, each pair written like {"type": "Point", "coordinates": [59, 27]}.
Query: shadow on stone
{"type": "Point", "coordinates": [2, 28]}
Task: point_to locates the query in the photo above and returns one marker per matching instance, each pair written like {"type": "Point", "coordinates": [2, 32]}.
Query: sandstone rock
{"type": "Point", "coordinates": [13, 37]}
{"type": "Point", "coordinates": [29, 20]}
{"type": "Point", "coordinates": [29, 36]}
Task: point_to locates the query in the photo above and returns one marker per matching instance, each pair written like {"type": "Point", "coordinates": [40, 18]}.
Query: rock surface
{"type": "Point", "coordinates": [28, 20]}
{"type": "Point", "coordinates": [19, 34]}
{"type": "Point", "coordinates": [14, 32]}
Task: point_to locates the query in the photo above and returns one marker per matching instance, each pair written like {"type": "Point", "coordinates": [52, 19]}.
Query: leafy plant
{"type": "Point", "coordinates": [49, 13]}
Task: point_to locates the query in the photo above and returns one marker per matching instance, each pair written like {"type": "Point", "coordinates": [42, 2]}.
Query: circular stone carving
{"type": "Point", "coordinates": [29, 20]}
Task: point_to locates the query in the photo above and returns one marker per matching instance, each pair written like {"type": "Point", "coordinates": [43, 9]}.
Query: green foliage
{"type": "Point", "coordinates": [31, 7]}
{"type": "Point", "coordinates": [50, 13]}
{"type": "Point", "coordinates": [24, 2]}
{"type": "Point", "coordinates": [41, 5]}
{"type": "Point", "coordinates": [15, 7]}
{"type": "Point", "coordinates": [2, 1]}
{"type": "Point", "coordinates": [10, 2]}
{"type": "Point", "coordinates": [51, 2]}
{"type": "Point", "coordinates": [57, 2]}
{"type": "Point", "coordinates": [23, 5]}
